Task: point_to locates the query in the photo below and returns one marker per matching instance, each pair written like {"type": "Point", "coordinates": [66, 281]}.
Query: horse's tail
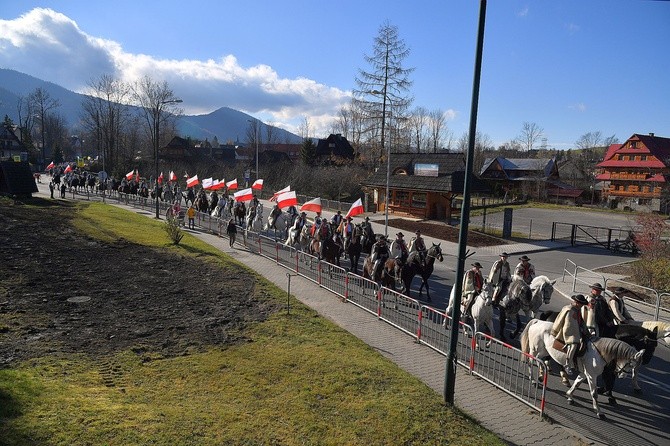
{"type": "Point", "coordinates": [525, 338]}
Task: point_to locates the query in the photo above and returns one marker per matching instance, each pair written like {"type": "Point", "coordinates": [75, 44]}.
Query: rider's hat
{"type": "Point", "coordinates": [349, 217]}
{"type": "Point", "coordinates": [524, 257]}
{"type": "Point", "coordinates": [339, 212]}
{"type": "Point", "coordinates": [303, 213]}
{"type": "Point", "coordinates": [400, 234]}
{"type": "Point", "coordinates": [477, 265]}
{"type": "Point", "coordinates": [417, 232]}
{"type": "Point", "coordinates": [579, 298]}
{"type": "Point", "coordinates": [504, 254]}
{"type": "Point", "coordinates": [597, 286]}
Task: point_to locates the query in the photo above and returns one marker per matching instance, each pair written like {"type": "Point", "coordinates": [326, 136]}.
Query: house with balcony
{"type": "Point", "coordinates": [636, 174]}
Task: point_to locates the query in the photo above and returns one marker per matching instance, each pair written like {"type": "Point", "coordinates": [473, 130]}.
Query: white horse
{"type": "Point", "coordinates": [662, 327]}
{"type": "Point", "coordinates": [277, 220]}
{"type": "Point", "coordinates": [521, 297]}
{"type": "Point", "coordinates": [482, 309]}
{"type": "Point", "coordinates": [537, 341]}
{"type": "Point", "coordinates": [299, 241]}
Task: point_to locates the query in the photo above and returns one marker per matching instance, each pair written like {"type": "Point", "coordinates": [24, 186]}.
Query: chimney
{"type": "Point", "coordinates": [651, 134]}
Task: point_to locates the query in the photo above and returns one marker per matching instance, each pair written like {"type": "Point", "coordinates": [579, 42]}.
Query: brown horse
{"type": "Point", "coordinates": [326, 250]}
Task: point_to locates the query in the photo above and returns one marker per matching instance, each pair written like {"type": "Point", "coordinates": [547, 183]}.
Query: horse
{"type": "Point", "coordinates": [201, 202]}
{"type": "Point", "coordinates": [354, 247]}
{"type": "Point", "coordinates": [277, 220]}
{"type": "Point", "coordinates": [634, 335]}
{"type": "Point", "coordinates": [373, 270]}
{"type": "Point", "coordinates": [257, 223]}
{"type": "Point", "coordinates": [326, 250]}
{"type": "Point", "coordinates": [423, 269]}
{"type": "Point", "coordinates": [537, 341]}
{"type": "Point", "coordinates": [481, 310]}
{"type": "Point", "coordinates": [663, 329]}
{"type": "Point", "coordinates": [239, 211]}
{"type": "Point", "coordinates": [250, 216]}
{"type": "Point", "coordinates": [520, 297]}
{"type": "Point", "coordinates": [189, 196]}
{"type": "Point", "coordinates": [368, 238]}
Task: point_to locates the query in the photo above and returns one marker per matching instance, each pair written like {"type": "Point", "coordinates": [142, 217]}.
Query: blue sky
{"type": "Point", "coordinates": [569, 66]}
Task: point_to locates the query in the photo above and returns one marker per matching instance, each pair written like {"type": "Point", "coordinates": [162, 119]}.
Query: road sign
{"type": "Point", "coordinates": [102, 175]}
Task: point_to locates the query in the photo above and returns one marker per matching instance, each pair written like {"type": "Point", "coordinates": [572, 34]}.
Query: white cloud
{"type": "Point", "coordinates": [523, 12]}
{"type": "Point", "coordinates": [572, 28]}
{"type": "Point", "coordinates": [580, 107]}
{"type": "Point", "coordinates": [50, 46]}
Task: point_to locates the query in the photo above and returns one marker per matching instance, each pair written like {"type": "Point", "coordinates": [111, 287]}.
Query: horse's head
{"type": "Point", "coordinates": [542, 286]}
{"type": "Point", "coordinates": [487, 293]}
{"type": "Point", "coordinates": [436, 252]}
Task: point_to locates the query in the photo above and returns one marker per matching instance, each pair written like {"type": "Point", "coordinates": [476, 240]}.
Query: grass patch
{"type": "Point", "coordinates": [299, 380]}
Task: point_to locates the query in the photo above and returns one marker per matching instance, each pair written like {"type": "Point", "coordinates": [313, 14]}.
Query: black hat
{"type": "Point", "coordinates": [579, 298]}
{"type": "Point", "coordinates": [339, 212]}
{"type": "Point", "coordinates": [597, 286]}
{"type": "Point", "coordinates": [303, 213]}
{"type": "Point", "coordinates": [400, 234]}
{"type": "Point", "coordinates": [524, 257]}
{"type": "Point", "coordinates": [349, 217]}
{"type": "Point", "coordinates": [417, 232]}
{"type": "Point", "coordinates": [367, 218]}
{"type": "Point", "coordinates": [504, 254]}
{"type": "Point", "coordinates": [477, 265]}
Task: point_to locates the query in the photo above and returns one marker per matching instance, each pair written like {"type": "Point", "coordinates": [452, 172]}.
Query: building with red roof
{"type": "Point", "coordinates": [636, 174]}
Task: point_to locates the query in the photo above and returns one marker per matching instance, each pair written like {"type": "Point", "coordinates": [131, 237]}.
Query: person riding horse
{"type": "Point", "coordinates": [500, 276]}
{"type": "Point", "coordinates": [292, 215]}
{"type": "Point", "coordinates": [380, 253]}
{"type": "Point", "coordinates": [570, 330]}
{"type": "Point", "coordinates": [473, 281]}
{"type": "Point", "coordinates": [602, 314]}
{"type": "Point", "coordinates": [400, 253]}
{"type": "Point", "coordinates": [347, 232]}
{"type": "Point", "coordinates": [525, 270]}
{"type": "Point", "coordinates": [337, 219]}
{"type": "Point", "coordinates": [417, 244]}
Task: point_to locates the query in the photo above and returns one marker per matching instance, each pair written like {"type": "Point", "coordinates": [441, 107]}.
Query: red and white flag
{"type": "Point", "coordinates": [52, 165]}
{"type": "Point", "coordinates": [356, 209]}
{"type": "Point", "coordinates": [287, 199]}
{"type": "Point", "coordinates": [193, 181]}
{"type": "Point", "coordinates": [207, 183]}
{"type": "Point", "coordinates": [312, 205]}
{"type": "Point", "coordinates": [173, 177]}
{"type": "Point", "coordinates": [69, 169]}
{"type": "Point", "coordinates": [216, 185]}
{"type": "Point", "coordinates": [244, 195]}
{"type": "Point", "coordinates": [279, 192]}
{"type": "Point", "coordinates": [258, 184]}
{"type": "Point", "coordinates": [232, 185]}
{"type": "Point", "coordinates": [129, 175]}
{"type": "Point", "coordinates": [160, 178]}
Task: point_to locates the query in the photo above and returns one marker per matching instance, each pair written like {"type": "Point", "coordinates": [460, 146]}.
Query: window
{"type": "Point", "coordinates": [419, 200]}
{"type": "Point", "coordinates": [643, 158]}
{"type": "Point", "coordinates": [633, 144]}
{"type": "Point", "coordinates": [400, 198]}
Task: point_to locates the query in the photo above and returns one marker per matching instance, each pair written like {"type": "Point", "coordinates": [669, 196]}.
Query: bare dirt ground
{"type": "Point", "coordinates": [64, 292]}
{"type": "Point", "coordinates": [443, 231]}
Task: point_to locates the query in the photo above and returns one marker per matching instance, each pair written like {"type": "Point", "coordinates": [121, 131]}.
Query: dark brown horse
{"type": "Point", "coordinates": [423, 268]}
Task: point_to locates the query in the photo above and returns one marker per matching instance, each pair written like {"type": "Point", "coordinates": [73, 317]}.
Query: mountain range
{"type": "Point", "coordinates": [225, 123]}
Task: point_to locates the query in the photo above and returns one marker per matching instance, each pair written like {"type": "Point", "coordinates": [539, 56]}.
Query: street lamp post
{"type": "Point", "coordinates": [157, 120]}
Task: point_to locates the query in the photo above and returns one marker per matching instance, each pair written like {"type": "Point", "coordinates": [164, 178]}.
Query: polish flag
{"type": "Point", "coordinates": [232, 185]}
{"type": "Point", "coordinates": [287, 199]}
{"type": "Point", "coordinates": [207, 183]}
{"type": "Point", "coordinates": [69, 169]}
{"type": "Point", "coordinates": [193, 181]}
{"type": "Point", "coordinates": [216, 185]}
{"type": "Point", "coordinates": [244, 195]}
{"type": "Point", "coordinates": [52, 165]}
{"type": "Point", "coordinates": [312, 205]}
{"type": "Point", "coordinates": [173, 177]}
{"type": "Point", "coordinates": [258, 184]}
{"type": "Point", "coordinates": [160, 178]}
{"type": "Point", "coordinates": [356, 209]}
{"type": "Point", "coordinates": [278, 193]}
{"type": "Point", "coordinates": [129, 175]}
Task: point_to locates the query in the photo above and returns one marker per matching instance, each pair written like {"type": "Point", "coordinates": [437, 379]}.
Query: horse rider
{"type": "Point", "coordinates": [473, 281]}
{"type": "Point", "coordinates": [292, 214]}
{"type": "Point", "coordinates": [254, 201]}
{"type": "Point", "coordinates": [525, 270]}
{"type": "Point", "coordinates": [300, 222]}
{"type": "Point", "coordinates": [570, 329]}
{"type": "Point", "coordinates": [602, 322]}
{"type": "Point", "coordinates": [337, 219]}
{"type": "Point", "coordinates": [417, 244]}
{"type": "Point", "coordinates": [317, 224]}
{"type": "Point", "coordinates": [347, 231]}
{"type": "Point", "coordinates": [500, 276]}
{"type": "Point", "coordinates": [618, 307]}
{"type": "Point", "coordinates": [380, 253]}
{"type": "Point", "coordinates": [399, 252]}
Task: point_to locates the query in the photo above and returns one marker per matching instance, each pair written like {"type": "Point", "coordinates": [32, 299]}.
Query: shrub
{"type": "Point", "coordinates": [173, 230]}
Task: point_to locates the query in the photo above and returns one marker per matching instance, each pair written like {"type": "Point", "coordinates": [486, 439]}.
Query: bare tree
{"type": "Point", "coordinates": [41, 104]}
{"type": "Point", "coordinates": [383, 92]}
{"type": "Point", "coordinates": [589, 140]}
{"type": "Point", "coordinates": [531, 133]}
{"type": "Point", "coordinates": [304, 128]}
{"type": "Point", "coordinates": [105, 116]}
{"type": "Point", "coordinates": [436, 129]}
{"type": "Point", "coordinates": [418, 125]}
{"type": "Point", "coordinates": [158, 110]}
{"type": "Point", "coordinates": [483, 144]}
